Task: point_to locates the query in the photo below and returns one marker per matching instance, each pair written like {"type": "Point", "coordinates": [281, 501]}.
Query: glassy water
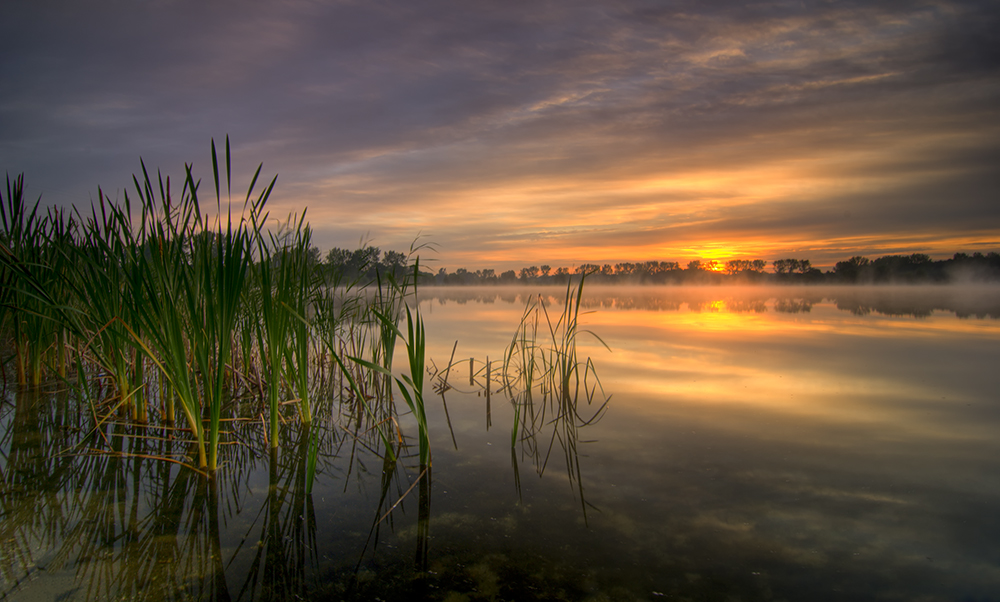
{"type": "Point", "coordinates": [755, 444]}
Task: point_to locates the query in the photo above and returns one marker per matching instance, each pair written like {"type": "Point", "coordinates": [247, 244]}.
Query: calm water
{"type": "Point", "coordinates": [758, 444]}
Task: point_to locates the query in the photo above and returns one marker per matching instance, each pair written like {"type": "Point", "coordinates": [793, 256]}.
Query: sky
{"type": "Point", "coordinates": [510, 133]}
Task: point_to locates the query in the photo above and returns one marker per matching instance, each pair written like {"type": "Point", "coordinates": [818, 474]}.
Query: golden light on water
{"type": "Point", "coordinates": [786, 358]}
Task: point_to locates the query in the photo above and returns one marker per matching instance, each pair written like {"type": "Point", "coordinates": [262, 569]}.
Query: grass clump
{"type": "Point", "coordinates": [169, 304]}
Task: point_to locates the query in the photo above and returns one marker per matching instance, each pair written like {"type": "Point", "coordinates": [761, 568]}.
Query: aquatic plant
{"type": "Point", "coordinates": [545, 381]}
{"type": "Point", "coordinates": [272, 288]}
{"type": "Point", "coordinates": [164, 305]}
{"type": "Point", "coordinates": [411, 385]}
{"type": "Point", "coordinates": [22, 268]}
{"type": "Point", "coordinates": [548, 359]}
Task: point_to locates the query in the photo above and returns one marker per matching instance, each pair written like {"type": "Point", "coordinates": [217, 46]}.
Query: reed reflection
{"type": "Point", "coordinates": [552, 390]}
{"type": "Point", "coordinates": [112, 517]}
{"type": "Point", "coordinates": [285, 528]}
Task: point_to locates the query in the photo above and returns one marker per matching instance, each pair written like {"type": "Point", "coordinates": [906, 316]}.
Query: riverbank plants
{"type": "Point", "coordinates": [176, 303]}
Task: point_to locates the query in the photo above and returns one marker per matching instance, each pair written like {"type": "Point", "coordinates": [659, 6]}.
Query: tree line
{"type": "Point", "coordinates": [369, 263]}
{"type": "Point", "coordinates": [914, 268]}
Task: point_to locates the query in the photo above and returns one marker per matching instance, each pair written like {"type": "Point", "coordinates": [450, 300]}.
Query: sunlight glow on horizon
{"type": "Point", "coordinates": [558, 136]}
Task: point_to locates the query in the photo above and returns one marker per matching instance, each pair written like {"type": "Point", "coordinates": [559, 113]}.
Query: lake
{"type": "Point", "coordinates": [728, 444]}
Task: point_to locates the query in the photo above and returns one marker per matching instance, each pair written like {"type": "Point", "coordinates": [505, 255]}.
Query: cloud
{"type": "Point", "coordinates": [495, 129]}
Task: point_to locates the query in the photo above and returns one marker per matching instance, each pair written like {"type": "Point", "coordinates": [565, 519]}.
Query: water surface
{"type": "Point", "coordinates": [758, 444]}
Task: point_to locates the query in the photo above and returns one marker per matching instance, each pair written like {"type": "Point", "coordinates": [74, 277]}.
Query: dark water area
{"type": "Point", "coordinates": [756, 444]}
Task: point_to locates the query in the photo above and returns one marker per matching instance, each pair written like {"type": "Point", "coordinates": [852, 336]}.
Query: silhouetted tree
{"type": "Point", "coordinates": [785, 266]}
{"type": "Point", "coordinates": [851, 269]}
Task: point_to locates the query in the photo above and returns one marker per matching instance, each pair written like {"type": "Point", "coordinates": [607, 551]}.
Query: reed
{"type": "Point", "coordinates": [109, 285]}
{"type": "Point", "coordinates": [169, 292]}
{"type": "Point", "coordinates": [543, 354]}
{"type": "Point", "coordinates": [416, 343]}
{"type": "Point", "coordinates": [195, 274]}
{"type": "Point", "coordinates": [411, 384]}
{"type": "Point", "coordinates": [22, 227]}
{"type": "Point", "coordinates": [153, 298]}
{"type": "Point", "coordinates": [272, 287]}
{"type": "Point", "coordinates": [220, 264]}
{"type": "Point", "coordinates": [303, 287]}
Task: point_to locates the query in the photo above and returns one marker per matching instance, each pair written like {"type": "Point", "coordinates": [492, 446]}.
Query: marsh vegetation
{"type": "Point", "coordinates": [193, 410]}
{"type": "Point", "coordinates": [167, 352]}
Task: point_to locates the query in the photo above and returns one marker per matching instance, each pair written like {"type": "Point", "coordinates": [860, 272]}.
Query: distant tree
{"type": "Point", "coordinates": [738, 266]}
{"type": "Point", "coordinates": [313, 259]}
{"type": "Point", "coordinates": [917, 267]}
{"type": "Point", "coordinates": [648, 269]}
{"type": "Point", "coordinates": [785, 266]}
{"type": "Point", "coordinates": [394, 262]}
{"type": "Point", "coordinates": [625, 269]}
{"type": "Point", "coordinates": [337, 257]}
{"type": "Point", "coordinates": [851, 269]}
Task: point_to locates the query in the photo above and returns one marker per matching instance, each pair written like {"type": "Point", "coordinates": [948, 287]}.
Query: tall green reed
{"type": "Point", "coordinates": [208, 301]}
{"type": "Point", "coordinates": [221, 260]}
{"type": "Point", "coordinates": [274, 271]}
{"type": "Point", "coordinates": [108, 287]}
{"type": "Point", "coordinates": [411, 385]}
{"type": "Point", "coordinates": [197, 272]}
{"type": "Point", "coordinates": [299, 298]}
{"type": "Point", "coordinates": [22, 264]}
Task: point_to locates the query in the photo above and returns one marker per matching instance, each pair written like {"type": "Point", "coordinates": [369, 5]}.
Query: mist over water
{"type": "Point", "coordinates": [964, 300]}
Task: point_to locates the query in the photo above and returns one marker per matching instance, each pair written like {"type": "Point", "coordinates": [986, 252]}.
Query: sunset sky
{"type": "Point", "coordinates": [516, 133]}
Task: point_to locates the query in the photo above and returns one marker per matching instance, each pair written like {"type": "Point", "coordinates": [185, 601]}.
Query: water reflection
{"type": "Point", "coordinates": [979, 301]}
{"type": "Point", "coordinates": [763, 447]}
{"type": "Point", "coordinates": [105, 515]}
{"type": "Point", "coordinates": [753, 448]}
